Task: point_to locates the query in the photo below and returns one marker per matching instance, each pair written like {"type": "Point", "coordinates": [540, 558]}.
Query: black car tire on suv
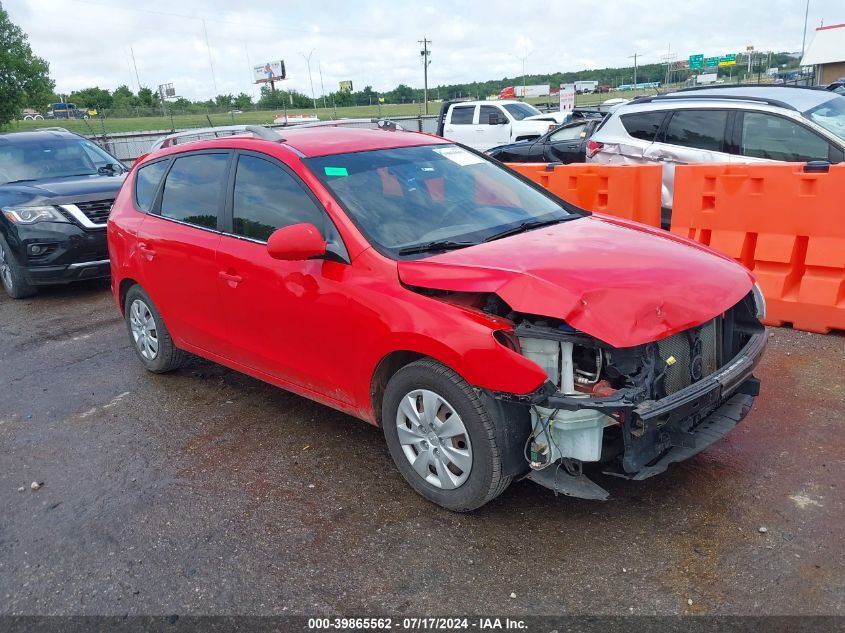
{"type": "Point", "coordinates": [11, 276]}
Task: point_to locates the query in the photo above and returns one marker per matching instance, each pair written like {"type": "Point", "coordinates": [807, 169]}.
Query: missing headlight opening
{"type": "Point", "coordinates": [634, 410]}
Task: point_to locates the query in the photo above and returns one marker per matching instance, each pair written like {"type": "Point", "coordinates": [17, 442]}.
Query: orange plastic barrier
{"type": "Point", "coordinates": [626, 191]}
{"type": "Point", "coordinates": [785, 224]}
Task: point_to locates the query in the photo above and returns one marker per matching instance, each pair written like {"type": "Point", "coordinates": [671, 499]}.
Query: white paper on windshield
{"type": "Point", "coordinates": [459, 156]}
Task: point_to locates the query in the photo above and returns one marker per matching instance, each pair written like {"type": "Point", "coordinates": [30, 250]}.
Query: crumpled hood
{"type": "Point", "coordinates": [622, 283]}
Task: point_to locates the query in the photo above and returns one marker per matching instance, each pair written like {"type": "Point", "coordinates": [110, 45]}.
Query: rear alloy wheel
{"type": "Point", "coordinates": [441, 437]}
{"type": "Point", "coordinates": [11, 276]}
{"type": "Point", "coordinates": [150, 338]}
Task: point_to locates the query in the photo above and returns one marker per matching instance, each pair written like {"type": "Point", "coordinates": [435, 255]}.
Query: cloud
{"type": "Point", "coordinates": [87, 42]}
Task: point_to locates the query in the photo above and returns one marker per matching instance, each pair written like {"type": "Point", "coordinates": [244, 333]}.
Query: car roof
{"type": "Point", "coordinates": [798, 97]}
{"type": "Point", "coordinates": [324, 141]}
{"type": "Point", "coordinates": [36, 136]}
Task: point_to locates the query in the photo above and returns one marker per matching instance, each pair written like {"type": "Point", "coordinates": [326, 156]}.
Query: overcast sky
{"type": "Point", "coordinates": [372, 42]}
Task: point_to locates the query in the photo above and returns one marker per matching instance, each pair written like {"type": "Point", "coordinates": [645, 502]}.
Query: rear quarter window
{"type": "Point", "coordinates": [147, 180]}
{"type": "Point", "coordinates": [462, 115]}
{"type": "Point", "coordinates": [643, 125]}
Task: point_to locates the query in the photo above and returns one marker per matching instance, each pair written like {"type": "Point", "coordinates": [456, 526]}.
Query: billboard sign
{"type": "Point", "coordinates": [167, 91]}
{"type": "Point", "coordinates": [567, 97]}
{"type": "Point", "coordinates": [269, 71]}
{"type": "Point", "coordinates": [696, 61]}
{"type": "Point", "coordinates": [346, 86]}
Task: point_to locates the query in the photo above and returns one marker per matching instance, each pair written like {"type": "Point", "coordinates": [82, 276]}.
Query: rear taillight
{"type": "Point", "coordinates": [593, 148]}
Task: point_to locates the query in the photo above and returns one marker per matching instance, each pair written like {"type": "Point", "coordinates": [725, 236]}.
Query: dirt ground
{"type": "Point", "coordinates": [207, 492]}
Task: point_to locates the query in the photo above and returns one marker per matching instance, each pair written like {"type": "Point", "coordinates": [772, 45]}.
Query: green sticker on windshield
{"type": "Point", "coordinates": [336, 171]}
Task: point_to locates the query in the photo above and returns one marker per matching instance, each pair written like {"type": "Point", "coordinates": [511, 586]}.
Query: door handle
{"type": "Point", "coordinates": [231, 279]}
{"type": "Point", "coordinates": [146, 252]}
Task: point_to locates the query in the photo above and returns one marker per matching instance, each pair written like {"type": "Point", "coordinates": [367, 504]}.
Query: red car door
{"type": "Point", "coordinates": [284, 318]}
{"type": "Point", "coordinates": [177, 244]}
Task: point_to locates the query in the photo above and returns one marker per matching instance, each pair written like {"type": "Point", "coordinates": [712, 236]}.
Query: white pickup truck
{"type": "Point", "coordinates": [485, 124]}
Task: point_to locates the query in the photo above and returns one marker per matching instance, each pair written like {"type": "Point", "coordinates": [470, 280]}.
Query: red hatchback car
{"type": "Point", "coordinates": [491, 329]}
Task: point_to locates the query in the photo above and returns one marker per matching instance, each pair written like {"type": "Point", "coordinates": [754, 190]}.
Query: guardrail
{"type": "Point", "coordinates": [128, 146]}
{"type": "Point", "coordinates": [783, 221]}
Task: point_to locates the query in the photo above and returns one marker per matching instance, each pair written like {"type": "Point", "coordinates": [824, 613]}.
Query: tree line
{"type": "Point", "coordinates": [25, 82]}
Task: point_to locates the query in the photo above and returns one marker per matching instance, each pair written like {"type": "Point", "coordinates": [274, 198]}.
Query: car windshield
{"type": "Point", "coordinates": [53, 158]}
{"type": "Point", "coordinates": [417, 200]}
{"type": "Point", "coordinates": [521, 110]}
{"type": "Point", "coordinates": [830, 115]}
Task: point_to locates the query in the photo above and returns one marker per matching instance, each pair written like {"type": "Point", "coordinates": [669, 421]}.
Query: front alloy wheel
{"type": "Point", "coordinates": [434, 439]}
{"type": "Point", "coordinates": [445, 442]}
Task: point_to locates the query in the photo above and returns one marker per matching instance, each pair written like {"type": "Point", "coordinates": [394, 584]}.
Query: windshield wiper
{"type": "Point", "coordinates": [436, 245]}
{"type": "Point", "coordinates": [14, 182]}
{"type": "Point", "coordinates": [525, 226]}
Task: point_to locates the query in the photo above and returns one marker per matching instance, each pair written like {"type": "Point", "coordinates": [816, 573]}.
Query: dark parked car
{"type": "Point", "coordinates": [565, 144]}
{"type": "Point", "coordinates": [56, 190]}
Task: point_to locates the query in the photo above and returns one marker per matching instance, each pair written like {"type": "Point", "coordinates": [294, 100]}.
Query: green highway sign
{"type": "Point", "coordinates": [696, 61]}
{"type": "Point", "coordinates": [728, 60]}
{"type": "Point", "coordinates": [711, 62]}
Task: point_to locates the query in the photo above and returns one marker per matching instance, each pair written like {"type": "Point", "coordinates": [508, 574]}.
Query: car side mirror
{"type": "Point", "coordinates": [296, 242]}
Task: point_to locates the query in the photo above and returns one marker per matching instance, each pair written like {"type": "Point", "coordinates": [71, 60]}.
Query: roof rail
{"type": "Point", "coordinates": [676, 97]}
{"type": "Point", "coordinates": [264, 133]}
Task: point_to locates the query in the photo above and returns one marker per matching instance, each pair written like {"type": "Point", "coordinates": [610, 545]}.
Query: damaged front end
{"type": "Point", "coordinates": [634, 410]}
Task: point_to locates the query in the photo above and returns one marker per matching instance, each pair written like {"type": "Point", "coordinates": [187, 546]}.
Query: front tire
{"type": "Point", "coordinates": [442, 438]}
{"type": "Point", "coordinates": [11, 276]}
{"type": "Point", "coordinates": [149, 335]}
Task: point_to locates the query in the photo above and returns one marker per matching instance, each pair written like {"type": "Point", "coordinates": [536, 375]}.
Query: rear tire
{"type": "Point", "coordinates": [149, 335]}
{"type": "Point", "coordinates": [11, 275]}
{"type": "Point", "coordinates": [442, 437]}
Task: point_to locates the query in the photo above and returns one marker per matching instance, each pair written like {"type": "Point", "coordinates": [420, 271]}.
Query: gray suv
{"type": "Point", "coordinates": [730, 124]}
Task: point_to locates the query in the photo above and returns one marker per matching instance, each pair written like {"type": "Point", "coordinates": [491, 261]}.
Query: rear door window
{"type": "Point", "coordinates": [146, 184]}
{"type": "Point", "coordinates": [569, 133]}
{"type": "Point", "coordinates": [484, 114]}
{"type": "Point", "coordinates": [699, 129]}
{"type": "Point", "coordinates": [643, 125]}
{"type": "Point", "coordinates": [194, 189]}
{"type": "Point", "coordinates": [462, 115]}
{"type": "Point", "coordinates": [777, 138]}
{"type": "Point", "coordinates": [266, 198]}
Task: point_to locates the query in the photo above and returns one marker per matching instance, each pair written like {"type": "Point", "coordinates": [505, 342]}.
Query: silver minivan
{"type": "Point", "coordinates": [730, 124]}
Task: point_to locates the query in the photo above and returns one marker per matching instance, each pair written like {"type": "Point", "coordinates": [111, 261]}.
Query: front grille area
{"type": "Point", "coordinates": [96, 211]}
{"type": "Point", "coordinates": [696, 354]}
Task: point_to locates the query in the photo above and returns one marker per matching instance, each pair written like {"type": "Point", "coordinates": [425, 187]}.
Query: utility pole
{"type": "Point", "coordinates": [210, 63]}
{"type": "Point", "coordinates": [635, 55]}
{"type": "Point", "coordinates": [804, 37]}
{"type": "Point", "coordinates": [310, 80]}
{"type": "Point", "coordinates": [137, 79]}
{"type": "Point", "coordinates": [322, 87]}
{"type": "Point", "coordinates": [523, 58]}
{"type": "Point", "coordinates": [425, 53]}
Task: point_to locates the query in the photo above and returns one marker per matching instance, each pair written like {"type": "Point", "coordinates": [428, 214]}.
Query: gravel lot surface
{"type": "Point", "coordinates": [207, 492]}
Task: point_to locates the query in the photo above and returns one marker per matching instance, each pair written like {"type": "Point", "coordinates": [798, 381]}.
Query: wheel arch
{"type": "Point", "coordinates": [125, 284]}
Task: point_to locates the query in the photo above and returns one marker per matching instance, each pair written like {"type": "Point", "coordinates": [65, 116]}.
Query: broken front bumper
{"type": "Point", "coordinates": [658, 433]}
